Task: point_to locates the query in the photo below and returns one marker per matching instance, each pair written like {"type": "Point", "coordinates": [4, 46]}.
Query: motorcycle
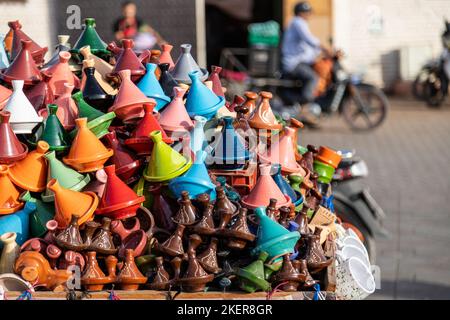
{"type": "Point", "coordinates": [354, 205]}
{"type": "Point", "coordinates": [363, 106]}
{"type": "Point", "coordinates": [431, 83]}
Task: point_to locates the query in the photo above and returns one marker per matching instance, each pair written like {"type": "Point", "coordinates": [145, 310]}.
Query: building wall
{"type": "Point", "coordinates": [34, 15]}
{"type": "Point", "coordinates": [43, 20]}
{"type": "Point", "coordinates": [378, 49]}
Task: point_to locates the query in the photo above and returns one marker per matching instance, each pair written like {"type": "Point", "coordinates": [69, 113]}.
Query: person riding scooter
{"type": "Point", "coordinates": [300, 50]}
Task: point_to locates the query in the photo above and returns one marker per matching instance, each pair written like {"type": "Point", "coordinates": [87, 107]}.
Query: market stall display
{"type": "Point", "coordinates": [174, 188]}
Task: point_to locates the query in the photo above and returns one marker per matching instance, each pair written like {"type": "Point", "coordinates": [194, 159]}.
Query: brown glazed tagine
{"type": "Point", "coordinates": [208, 258]}
{"type": "Point", "coordinates": [187, 214]}
{"type": "Point", "coordinates": [315, 257]}
{"type": "Point", "coordinates": [70, 238]}
{"type": "Point", "coordinates": [302, 266]}
{"type": "Point", "coordinates": [223, 204]}
{"type": "Point", "coordinates": [53, 253]}
{"type": "Point", "coordinates": [307, 160]}
{"type": "Point", "coordinates": [129, 277]}
{"type": "Point", "coordinates": [288, 274]}
{"type": "Point", "coordinates": [161, 280]}
{"type": "Point", "coordinates": [102, 242]}
{"type": "Point", "coordinates": [93, 278]}
{"type": "Point", "coordinates": [173, 246]}
{"type": "Point", "coordinates": [206, 224]}
{"type": "Point", "coordinates": [271, 210]}
{"type": "Point", "coordinates": [195, 278]}
{"type": "Point", "coordinates": [238, 234]}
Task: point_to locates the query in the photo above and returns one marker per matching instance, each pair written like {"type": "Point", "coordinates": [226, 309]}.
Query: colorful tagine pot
{"type": "Point", "coordinates": [165, 163]}
{"type": "Point", "coordinates": [9, 194]}
{"type": "Point", "coordinates": [98, 122]}
{"type": "Point", "coordinates": [262, 117]}
{"type": "Point", "coordinates": [23, 67]}
{"type": "Point", "coordinates": [185, 65]}
{"type": "Point", "coordinates": [150, 86]}
{"type": "Point", "coordinates": [196, 180]}
{"type": "Point", "coordinates": [174, 119]}
{"type": "Point", "coordinates": [272, 237]}
{"type": "Point", "coordinates": [165, 56]}
{"type": "Point", "coordinates": [126, 163]}
{"type": "Point", "coordinates": [252, 276]}
{"type": "Point", "coordinates": [87, 153]}
{"type": "Point", "coordinates": [53, 131]}
{"type": "Point", "coordinates": [11, 149]}
{"type": "Point", "coordinates": [118, 201]}
{"type": "Point", "coordinates": [24, 117]}
{"type": "Point", "coordinates": [70, 203]}
{"type": "Point", "coordinates": [166, 80]}
{"type": "Point", "coordinates": [230, 151]}
{"type": "Point", "coordinates": [66, 177]}
{"type": "Point", "coordinates": [92, 92]}
{"type": "Point", "coordinates": [18, 36]}
{"type": "Point", "coordinates": [127, 60]}
{"type": "Point", "coordinates": [128, 104]}
{"type": "Point", "coordinates": [89, 37]}
{"type": "Point", "coordinates": [31, 172]}
{"type": "Point", "coordinates": [200, 100]}
{"type": "Point", "coordinates": [39, 95]}
{"type": "Point", "coordinates": [264, 190]}
{"type": "Point", "coordinates": [140, 141]}
{"type": "Point", "coordinates": [62, 74]}
{"type": "Point", "coordinates": [18, 222]}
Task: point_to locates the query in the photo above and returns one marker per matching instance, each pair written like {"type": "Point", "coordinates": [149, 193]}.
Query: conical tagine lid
{"type": "Point", "coordinates": [31, 173]}
{"type": "Point", "coordinates": [264, 190]}
{"type": "Point", "coordinates": [165, 163]}
{"type": "Point", "coordinates": [24, 117]}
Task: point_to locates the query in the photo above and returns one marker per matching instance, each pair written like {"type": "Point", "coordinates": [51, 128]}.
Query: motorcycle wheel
{"type": "Point", "coordinates": [349, 220]}
{"type": "Point", "coordinates": [418, 86]}
{"type": "Point", "coordinates": [434, 92]}
{"type": "Point", "coordinates": [366, 108]}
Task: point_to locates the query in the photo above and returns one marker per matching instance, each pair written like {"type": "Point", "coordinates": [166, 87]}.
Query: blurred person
{"type": "Point", "coordinates": [300, 49]}
{"type": "Point", "coordinates": [130, 26]}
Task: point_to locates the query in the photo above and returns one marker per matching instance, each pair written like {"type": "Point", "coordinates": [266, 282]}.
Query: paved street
{"type": "Point", "coordinates": [409, 163]}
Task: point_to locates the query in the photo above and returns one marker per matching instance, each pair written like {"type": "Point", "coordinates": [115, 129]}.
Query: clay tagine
{"type": "Point", "coordinates": [126, 163]}
{"type": "Point", "coordinates": [251, 278]}
{"type": "Point", "coordinates": [174, 118]}
{"type": "Point", "coordinates": [35, 268]}
{"type": "Point", "coordinates": [173, 246]}
{"type": "Point", "coordinates": [129, 277]}
{"type": "Point", "coordinates": [24, 117]}
{"type": "Point", "coordinates": [165, 163]}
{"type": "Point", "coordinates": [206, 224]}
{"type": "Point", "coordinates": [9, 195]}
{"type": "Point", "coordinates": [166, 80]}
{"type": "Point", "coordinates": [90, 37]}
{"type": "Point", "coordinates": [161, 280]}
{"type": "Point", "coordinates": [186, 64]}
{"type": "Point", "coordinates": [140, 141]}
{"type": "Point", "coordinates": [70, 237]}
{"type": "Point", "coordinates": [61, 74]}
{"type": "Point", "coordinates": [127, 60]}
{"type": "Point", "coordinates": [39, 95]}
{"type": "Point", "coordinates": [37, 52]}
{"type": "Point", "coordinates": [265, 189]}
{"type": "Point", "coordinates": [23, 67]}
{"type": "Point", "coordinates": [288, 274]}
{"type": "Point", "coordinates": [87, 153]}
{"type": "Point", "coordinates": [195, 278]}
{"type": "Point", "coordinates": [238, 235]}
{"type": "Point", "coordinates": [118, 201]}
{"type": "Point", "coordinates": [93, 278]}
{"type": "Point", "coordinates": [187, 214]}
{"type": "Point", "coordinates": [93, 92]}
{"type": "Point", "coordinates": [208, 258]}
{"type": "Point", "coordinates": [69, 203]}
{"type": "Point", "coordinates": [102, 242]}
{"type": "Point", "coordinates": [11, 149]}
{"type": "Point", "coordinates": [262, 117]}
{"type": "Point", "coordinates": [316, 257]}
